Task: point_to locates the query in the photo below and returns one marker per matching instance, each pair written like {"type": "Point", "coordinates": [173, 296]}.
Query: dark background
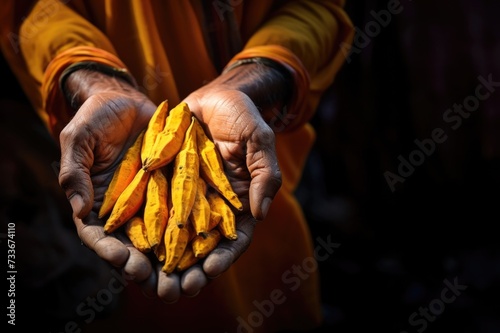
{"type": "Point", "coordinates": [396, 247]}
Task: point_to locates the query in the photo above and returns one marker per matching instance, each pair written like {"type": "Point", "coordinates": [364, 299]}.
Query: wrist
{"type": "Point", "coordinates": [78, 83]}
{"type": "Point", "coordinates": [268, 84]}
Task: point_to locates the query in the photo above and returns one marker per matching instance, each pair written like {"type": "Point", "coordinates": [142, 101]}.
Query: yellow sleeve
{"type": "Point", "coordinates": [310, 38]}
{"type": "Point", "coordinates": [34, 33]}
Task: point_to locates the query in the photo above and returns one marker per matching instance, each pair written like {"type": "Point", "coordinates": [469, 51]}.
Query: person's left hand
{"type": "Point", "coordinates": [247, 148]}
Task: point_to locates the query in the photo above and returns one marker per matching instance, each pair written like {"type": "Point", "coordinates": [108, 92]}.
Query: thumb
{"type": "Point", "coordinates": [74, 179]}
{"type": "Point", "coordinates": [265, 175]}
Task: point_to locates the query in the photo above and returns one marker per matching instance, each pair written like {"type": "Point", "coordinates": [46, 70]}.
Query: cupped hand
{"type": "Point", "coordinates": [247, 147]}
{"type": "Point", "coordinates": [246, 144]}
{"type": "Point", "coordinates": [92, 145]}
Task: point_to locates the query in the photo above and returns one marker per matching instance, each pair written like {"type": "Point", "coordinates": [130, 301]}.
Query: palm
{"type": "Point", "coordinates": [243, 139]}
{"type": "Point", "coordinates": [109, 128]}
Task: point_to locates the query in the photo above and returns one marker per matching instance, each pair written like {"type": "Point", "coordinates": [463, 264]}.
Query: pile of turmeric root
{"type": "Point", "coordinates": [170, 192]}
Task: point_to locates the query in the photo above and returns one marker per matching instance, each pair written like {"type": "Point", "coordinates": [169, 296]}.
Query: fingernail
{"type": "Point", "coordinates": [76, 202]}
{"type": "Point", "coordinates": [169, 302]}
{"type": "Point", "coordinates": [194, 295]}
{"type": "Point", "coordinates": [266, 203]}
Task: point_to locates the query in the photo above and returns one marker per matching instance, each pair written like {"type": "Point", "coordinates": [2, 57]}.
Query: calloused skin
{"type": "Point", "coordinates": [110, 117]}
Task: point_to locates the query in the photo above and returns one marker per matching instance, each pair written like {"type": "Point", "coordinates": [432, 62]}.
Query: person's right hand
{"type": "Point", "coordinates": [111, 115]}
{"type": "Point", "coordinates": [246, 144]}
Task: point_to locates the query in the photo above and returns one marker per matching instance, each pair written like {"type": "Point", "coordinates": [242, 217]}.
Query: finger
{"type": "Point", "coordinates": [169, 286]}
{"type": "Point", "coordinates": [74, 174]}
{"type": "Point", "coordinates": [264, 170]}
{"type": "Point", "coordinates": [193, 280]}
{"type": "Point", "coordinates": [148, 286]}
{"type": "Point", "coordinates": [106, 247]}
{"type": "Point", "coordinates": [228, 251]}
{"type": "Point", "coordinates": [138, 267]}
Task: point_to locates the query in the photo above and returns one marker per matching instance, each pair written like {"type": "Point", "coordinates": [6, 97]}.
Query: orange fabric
{"type": "Point", "coordinates": [58, 110]}
{"type": "Point", "coordinates": [163, 45]}
{"type": "Point", "coordinates": [315, 32]}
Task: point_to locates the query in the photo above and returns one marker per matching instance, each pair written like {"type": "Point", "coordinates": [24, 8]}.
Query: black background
{"type": "Point", "coordinates": [398, 247]}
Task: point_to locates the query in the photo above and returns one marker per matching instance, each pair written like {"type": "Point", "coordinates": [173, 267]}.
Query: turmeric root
{"type": "Point", "coordinates": [128, 203]}
{"type": "Point", "coordinates": [176, 240]}
{"type": "Point", "coordinates": [202, 246]}
{"type": "Point", "coordinates": [184, 178]}
{"type": "Point", "coordinates": [155, 208]}
{"type": "Point", "coordinates": [200, 212]}
{"type": "Point", "coordinates": [155, 126]}
{"type": "Point", "coordinates": [212, 169]}
{"type": "Point", "coordinates": [123, 175]}
{"type": "Point", "coordinates": [227, 224]}
{"type": "Point", "coordinates": [169, 140]}
{"type": "Point", "coordinates": [136, 232]}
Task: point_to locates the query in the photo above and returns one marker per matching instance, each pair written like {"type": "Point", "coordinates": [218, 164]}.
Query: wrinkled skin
{"type": "Point", "coordinates": [106, 124]}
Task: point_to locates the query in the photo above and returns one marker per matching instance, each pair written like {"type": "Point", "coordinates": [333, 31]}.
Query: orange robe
{"type": "Point", "coordinates": [163, 44]}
